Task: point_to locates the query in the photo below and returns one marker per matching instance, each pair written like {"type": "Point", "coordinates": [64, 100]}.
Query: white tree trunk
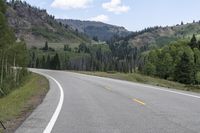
{"type": "Point", "coordinates": [14, 69]}
{"type": "Point", "coordinates": [2, 68]}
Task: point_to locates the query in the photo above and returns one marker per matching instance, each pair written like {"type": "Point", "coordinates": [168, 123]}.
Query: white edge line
{"type": "Point", "coordinates": [166, 90]}
{"type": "Point", "coordinates": [52, 122]}
{"type": "Point", "coordinates": [180, 93]}
{"type": "Point", "coordinates": [146, 86]}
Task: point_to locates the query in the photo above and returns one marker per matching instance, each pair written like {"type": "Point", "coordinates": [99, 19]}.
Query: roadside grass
{"type": "Point", "coordinates": [136, 77]}
{"type": "Point", "coordinates": [15, 107]}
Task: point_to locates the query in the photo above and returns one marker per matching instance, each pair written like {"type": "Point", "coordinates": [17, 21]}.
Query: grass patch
{"type": "Point", "coordinates": [15, 107]}
{"type": "Point", "coordinates": [135, 77]}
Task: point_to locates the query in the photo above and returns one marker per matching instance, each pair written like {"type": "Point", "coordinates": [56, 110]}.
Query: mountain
{"type": "Point", "coordinates": [36, 26]}
{"type": "Point", "coordinates": [93, 29]}
{"type": "Point", "coordinates": [161, 36]}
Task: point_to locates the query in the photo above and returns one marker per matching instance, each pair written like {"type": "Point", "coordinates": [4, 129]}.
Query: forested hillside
{"type": "Point", "coordinates": [98, 30]}
{"type": "Point", "coordinates": [179, 61]}
{"type": "Point", "coordinates": [36, 26]}
{"type": "Point", "coordinates": [157, 37]}
{"type": "Point", "coordinates": [12, 54]}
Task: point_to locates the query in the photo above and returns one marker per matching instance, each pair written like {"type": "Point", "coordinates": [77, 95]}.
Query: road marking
{"type": "Point", "coordinates": [147, 86]}
{"type": "Point", "coordinates": [138, 101]}
{"type": "Point", "coordinates": [108, 88]}
{"type": "Point", "coordinates": [175, 92]}
{"type": "Point", "coordinates": [52, 122]}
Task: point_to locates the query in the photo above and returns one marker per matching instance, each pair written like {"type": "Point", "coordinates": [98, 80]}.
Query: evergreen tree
{"type": "Point", "coordinates": [197, 59]}
{"type": "Point", "coordinates": [67, 48]}
{"type": "Point", "coordinates": [46, 47]}
{"type": "Point", "coordinates": [55, 62]}
{"type": "Point", "coordinates": [48, 62]}
{"type": "Point", "coordinates": [197, 77]}
{"type": "Point", "coordinates": [184, 71]}
{"type": "Point", "coordinates": [83, 48]}
{"type": "Point", "coordinates": [37, 63]}
{"type": "Point", "coordinates": [198, 45]}
{"type": "Point", "coordinates": [95, 38]}
{"type": "Point", "coordinates": [193, 42]}
{"type": "Point", "coordinates": [43, 62]}
{"type": "Point", "coordinates": [182, 23]}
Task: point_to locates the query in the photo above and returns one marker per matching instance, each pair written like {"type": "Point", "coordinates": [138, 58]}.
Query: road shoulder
{"type": "Point", "coordinates": [41, 116]}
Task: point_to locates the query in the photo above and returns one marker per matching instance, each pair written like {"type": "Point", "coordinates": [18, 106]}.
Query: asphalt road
{"type": "Point", "coordinates": [101, 105]}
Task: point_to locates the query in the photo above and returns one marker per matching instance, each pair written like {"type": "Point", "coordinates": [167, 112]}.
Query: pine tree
{"type": "Point", "coordinates": [37, 63]}
{"type": "Point", "coordinates": [193, 42]}
{"type": "Point", "coordinates": [95, 38]}
{"type": "Point", "coordinates": [48, 62]}
{"type": "Point", "coordinates": [55, 62]}
{"type": "Point", "coordinates": [46, 47]}
{"type": "Point", "coordinates": [67, 48]}
{"type": "Point", "coordinates": [197, 59]}
{"type": "Point", "coordinates": [184, 71]}
{"type": "Point", "coordinates": [198, 45]}
{"type": "Point", "coordinates": [43, 62]}
{"type": "Point", "coordinates": [182, 23]}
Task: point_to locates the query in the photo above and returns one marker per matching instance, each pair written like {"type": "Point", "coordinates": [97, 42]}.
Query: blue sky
{"type": "Point", "coordinates": [132, 14]}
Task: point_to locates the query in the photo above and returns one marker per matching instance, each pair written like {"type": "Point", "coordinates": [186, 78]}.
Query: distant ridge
{"type": "Point", "coordinates": [92, 29]}
{"type": "Point", "coordinates": [160, 36]}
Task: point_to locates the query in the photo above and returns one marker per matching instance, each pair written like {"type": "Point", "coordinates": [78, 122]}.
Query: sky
{"type": "Point", "coordinates": [134, 15]}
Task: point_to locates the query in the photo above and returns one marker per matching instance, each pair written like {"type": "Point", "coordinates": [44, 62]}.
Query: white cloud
{"type": "Point", "coordinates": [115, 6]}
{"type": "Point", "coordinates": [100, 18]}
{"type": "Point", "coordinates": [71, 4]}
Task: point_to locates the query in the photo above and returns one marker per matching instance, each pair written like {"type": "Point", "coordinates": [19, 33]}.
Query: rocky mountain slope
{"type": "Point", "coordinates": [100, 30]}
{"type": "Point", "coordinates": [36, 26]}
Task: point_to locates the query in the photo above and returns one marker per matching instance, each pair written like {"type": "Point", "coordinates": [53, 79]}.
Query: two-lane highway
{"type": "Point", "coordinates": [100, 105]}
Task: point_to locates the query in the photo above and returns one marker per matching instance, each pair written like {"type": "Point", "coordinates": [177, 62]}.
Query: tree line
{"type": "Point", "coordinates": [115, 56]}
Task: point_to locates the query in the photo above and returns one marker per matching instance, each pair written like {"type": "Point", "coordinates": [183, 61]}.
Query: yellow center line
{"type": "Point", "coordinates": [108, 88]}
{"type": "Point", "coordinates": [138, 101]}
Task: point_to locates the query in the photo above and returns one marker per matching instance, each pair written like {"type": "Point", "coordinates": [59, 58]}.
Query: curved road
{"type": "Point", "coordinates": [101, 105]}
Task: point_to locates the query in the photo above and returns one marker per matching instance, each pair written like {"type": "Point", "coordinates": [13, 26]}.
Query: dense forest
{"type": "Point", "coordinates": [12, 55]}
